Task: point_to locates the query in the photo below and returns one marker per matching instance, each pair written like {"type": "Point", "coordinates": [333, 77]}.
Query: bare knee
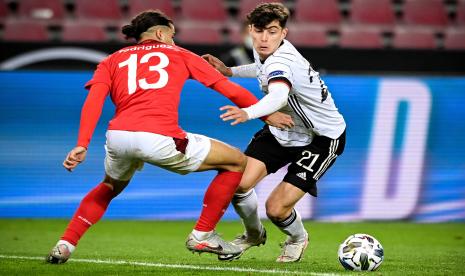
{"type": "Point", "coordinates": [275, 211]}
{"type": "Point", "coordinates": [244, 188]}
{"type": "Point", "coordinates": [116, 185]}
{"type": "Point", "coordinates": [254, 172]}
{"type": "Point", "coordinates": [240, 161]}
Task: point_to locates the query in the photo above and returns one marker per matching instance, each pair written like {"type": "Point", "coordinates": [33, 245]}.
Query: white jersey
{"type": "Point", "coordinates": [309, 103]}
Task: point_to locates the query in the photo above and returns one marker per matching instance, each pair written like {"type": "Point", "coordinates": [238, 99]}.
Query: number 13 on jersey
{"type": "Point", "coordinates": [132, 63]}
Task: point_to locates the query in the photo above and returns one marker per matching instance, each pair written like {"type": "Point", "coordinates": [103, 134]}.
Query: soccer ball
{"type": "Point", "coordinates": [361, 252]}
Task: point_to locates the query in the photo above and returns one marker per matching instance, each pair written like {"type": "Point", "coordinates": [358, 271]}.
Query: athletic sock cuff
{"type": "Point", "coordinates": [70, 246]}
{"type": "Point", "coordinates": [242, 196]}
{"type": "Point", "coordinates": [288, 221]}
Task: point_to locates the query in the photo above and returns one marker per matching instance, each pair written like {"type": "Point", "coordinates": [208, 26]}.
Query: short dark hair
{"type": "Point", "coordinates": [266, 13]}
{"type": "Point", "coordinates": [144, 21]}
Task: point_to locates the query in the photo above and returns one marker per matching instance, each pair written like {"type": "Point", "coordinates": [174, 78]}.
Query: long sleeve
{"type": "Point", "coordinates": [236, 93]}
{"type": "Point", "coordinates": [245, 71]}
{"type": "Point", "coordinates": [90, 113]}
{"type": "Point", "coordinates": [272, 102]}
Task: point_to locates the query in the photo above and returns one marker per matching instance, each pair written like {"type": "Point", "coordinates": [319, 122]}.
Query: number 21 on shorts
{"type": "Point", "coordinates": [308, 155]}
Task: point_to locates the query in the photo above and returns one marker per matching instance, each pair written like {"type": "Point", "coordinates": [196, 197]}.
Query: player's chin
{"type": "Point", "coordinates": [264, 51]}
{"type": "Point", "coordinates": [261, 52]}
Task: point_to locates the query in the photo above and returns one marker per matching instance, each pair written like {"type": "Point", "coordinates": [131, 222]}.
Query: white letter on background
{"type": "Point", "coordinates": [376, 203]}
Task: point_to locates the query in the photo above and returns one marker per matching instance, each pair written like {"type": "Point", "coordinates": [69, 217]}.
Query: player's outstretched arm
{"type": "Point", "coordinates": [234, 92]}
{"type": "Point", "coordinates": [242, 71]}
{"type": "Point", "coordinates": [272, 102]}
{"type": "Point", "coordinates": [238, 115]}
{"type": "Point", "coordinates": [218, 64]}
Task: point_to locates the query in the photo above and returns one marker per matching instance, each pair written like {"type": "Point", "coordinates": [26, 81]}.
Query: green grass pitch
{"type": "Point", "coordinates": [157, 248]}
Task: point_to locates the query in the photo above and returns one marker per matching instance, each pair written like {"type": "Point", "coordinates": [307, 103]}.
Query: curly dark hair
{"type": "Point", "coordinates": [266, 13]}
{"type": "Point", "coordinates": [143, 21]}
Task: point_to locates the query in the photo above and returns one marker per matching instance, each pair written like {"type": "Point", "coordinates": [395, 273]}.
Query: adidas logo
{"type": "Point", "coordinates": [302, 175]}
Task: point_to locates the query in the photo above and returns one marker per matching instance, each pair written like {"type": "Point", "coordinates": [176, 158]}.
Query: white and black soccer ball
{"type": "Point", "coordinates": [361, 252]}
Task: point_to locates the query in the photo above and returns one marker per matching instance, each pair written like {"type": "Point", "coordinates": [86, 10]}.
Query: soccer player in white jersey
{"type": "Point", "coordinates": [311, 146]}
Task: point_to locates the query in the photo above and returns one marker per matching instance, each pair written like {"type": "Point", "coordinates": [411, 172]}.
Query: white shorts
{"type": "Point", "coordinates": [127, 151]}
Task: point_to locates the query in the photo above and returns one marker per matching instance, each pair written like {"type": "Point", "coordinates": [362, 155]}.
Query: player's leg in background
{"type": "Point", "coordinates": [92, 208]}
{"type": "Point", "coordinates": [245, 199]}
{"type": "Point", "coordinates": [119, 169]}
{"type": "Point", "coordinates": [280, 210]}
{"type": "Point", "coordinates": [89, 212]}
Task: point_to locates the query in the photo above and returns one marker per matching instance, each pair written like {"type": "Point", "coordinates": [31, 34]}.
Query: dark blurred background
{"type": "Point", "coordinates": [362, 36]}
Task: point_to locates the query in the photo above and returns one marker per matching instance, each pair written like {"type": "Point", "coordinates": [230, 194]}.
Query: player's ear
{"type": "Point", "coordinates": [159, 34]}
{"type": "Point", "coordinates": [284, 33]}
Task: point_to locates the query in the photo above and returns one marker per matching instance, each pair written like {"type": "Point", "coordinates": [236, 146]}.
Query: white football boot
{"type": "Point", "coordinates": [292, 251]}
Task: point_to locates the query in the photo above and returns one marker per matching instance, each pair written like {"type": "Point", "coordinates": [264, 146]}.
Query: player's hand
{"type": "Point", "coordinates": [74, 157]}
{"type": "Point", "coordinates": [234, 113]}
{"type": "Point", "coordinates": [280, 120]}
{"type": "Point", "coordinates": [218, 64]}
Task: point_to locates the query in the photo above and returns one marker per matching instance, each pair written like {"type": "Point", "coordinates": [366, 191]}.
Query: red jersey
{"type": "Point", "coordinates": [145, 83]}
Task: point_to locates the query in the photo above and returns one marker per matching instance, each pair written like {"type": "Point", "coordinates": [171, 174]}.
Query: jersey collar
{"type": "Point", "coordinates": [151, 41]}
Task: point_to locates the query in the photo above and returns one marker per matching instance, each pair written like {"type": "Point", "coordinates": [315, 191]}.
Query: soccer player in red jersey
{"type": "Point", "coordinates": [145, 83]}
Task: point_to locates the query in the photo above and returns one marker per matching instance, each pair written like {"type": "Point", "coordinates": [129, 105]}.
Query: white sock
{"type": "Point", "coordinates": [293, 227]}
{"type": "Point", "coordinates": [200, 235]}
{"type": "Point", "coordinates": [246, 206]}
{"type": "Point", "coordinates": [69, 245]}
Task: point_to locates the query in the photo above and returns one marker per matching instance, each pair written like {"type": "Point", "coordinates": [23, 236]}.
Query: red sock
{"type": "Point", "coordinates": [217, 199]}
{"type": "Point", "coordinates": [91, 209]}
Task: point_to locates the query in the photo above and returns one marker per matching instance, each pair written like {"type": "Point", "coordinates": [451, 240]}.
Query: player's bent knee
{"type": "Point", "coordinates": [243, 188]}
{"type": "Point", "coordinates": [275, 212]}
{"type": "Point", "coordinates": [239, 161]}
{"type": "Point", "coordinates": [275, 216]}
{"type": "Point", "coordinates": [116, 185]}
